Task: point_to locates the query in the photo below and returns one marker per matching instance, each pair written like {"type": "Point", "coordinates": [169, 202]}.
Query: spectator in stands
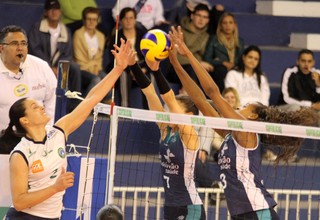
{"type": "Point", "coordinates": [240, 155]}
{"type": "Point", "coordinates": [300, 84]}
{"type": "Point", "coordinates": [215, 13]}
{"type": "Point", "coordinates": [149, 13]}
{"type": "Point", "coordinates": [179, 145]}
{"type": "Point", "coordinates": [22, 75]}
{"type": "Point", "coordinates": [232, 97]}
{"type": "Point", "coordinates": [89, 45]}
{"type": "Point", "coordinates": [110, 212]}
{"type": "Point", "coordinates": [50, 39]}
{"type": "Point", "coordinates": [129, 30]}
{"type": "Point", "coordinates": [224, 49]}
{"type": "Point", "coordinates": [38, 164]}
{"type": "Point", "coordinates": [72, 12]}
{"type": "Point", "coordinates": [194, 29]}
{"type": "Point", "coordinates": [248, 79]}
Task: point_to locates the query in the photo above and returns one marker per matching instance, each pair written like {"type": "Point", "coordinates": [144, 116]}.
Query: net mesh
{"type": "Point", "coordinates": [137, 185]}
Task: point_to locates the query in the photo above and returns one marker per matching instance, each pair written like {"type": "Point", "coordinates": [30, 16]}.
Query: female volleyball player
{"type": "Point", "coordinates": [178, 147]}
{"type": "Point", "coordinates": [240, 153]}
{"type": "Point", "coordinates": [38, 163]}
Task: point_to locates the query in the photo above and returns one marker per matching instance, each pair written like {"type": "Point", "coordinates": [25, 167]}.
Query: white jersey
{"type": "Point", "coordinates": [45, 161]}
{"type": "Point", "coordinates": [37, 81]}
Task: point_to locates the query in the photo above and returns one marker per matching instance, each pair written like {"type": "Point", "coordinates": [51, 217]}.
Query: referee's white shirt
{"type": "Point", "coordinates": [36, 81]}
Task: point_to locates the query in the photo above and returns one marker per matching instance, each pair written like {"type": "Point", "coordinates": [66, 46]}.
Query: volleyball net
{"type": "Point", "coordinates": [121, 165]}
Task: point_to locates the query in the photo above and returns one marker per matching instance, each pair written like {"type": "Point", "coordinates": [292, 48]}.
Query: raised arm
{"type": "Point", "coordinates": [73, 120]}
{"type": "Point", "coordinates": [245, 139]}
{"type": "Point", "coordinates": [187, 133]}
{"type": "Point", "coordinates": [195, 93]}
{"type": "Point", "coordinates": [207, 83]}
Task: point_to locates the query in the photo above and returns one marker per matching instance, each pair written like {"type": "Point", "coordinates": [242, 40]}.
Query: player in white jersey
{"type": "Point", "coordinates": [179, 145]}
{"type": "Point", "coordinates": [38, 164]}
{"type": "Point", "coordinates": [239, 156]}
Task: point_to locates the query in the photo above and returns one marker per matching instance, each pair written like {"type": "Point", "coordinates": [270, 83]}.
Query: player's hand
{"type": "Point", "coordinates": [176, 35]}
{"type": "Point", "coordinates": [64, 181]}
{"type": "Point", "coordinates": [122, 53]}
{"type": "Point", "coordinates": [153, 65]}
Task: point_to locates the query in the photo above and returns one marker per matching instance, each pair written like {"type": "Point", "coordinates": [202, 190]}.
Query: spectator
{"type": "Point", "coordinates": [224, 48]}
{"type": "Point", "coordinates": [300, 84]}
{"type": "Point", "coordinates": [194, 29]}
{"type": "Point", "coordinates": [110, 212]}
{"type": "Point", "coordinates": [72, 12]}
{"type": "Point", "coordinates": [89, 45]}
{"type": "Point", "coordinates": [22, 75]}
{"type": "Point", "coordinates": [50, 39]}
{"type": "Point", "coordinates": [131, 31]}
{"type": "Point", "coordinates": [248, 79]}
{"type": "Point", "coordinates": [215, 13]}
{"type": "Point", "coordinates": [149, 13]}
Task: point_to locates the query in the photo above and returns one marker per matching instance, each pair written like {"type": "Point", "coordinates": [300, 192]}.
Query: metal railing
{"type": "Point", "coordinates": [145, 197]}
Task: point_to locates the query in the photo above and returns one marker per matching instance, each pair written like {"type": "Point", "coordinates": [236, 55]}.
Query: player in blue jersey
{"type": "Point", "coordinates": [240, 153]}
{"type": "Point", "coordinates": [179, 145]}
{"type": "Point", "coordinates": [38, 163]}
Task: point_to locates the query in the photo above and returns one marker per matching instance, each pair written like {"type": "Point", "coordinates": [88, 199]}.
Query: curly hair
{"type": "Point", "coordinates": [287, 146]}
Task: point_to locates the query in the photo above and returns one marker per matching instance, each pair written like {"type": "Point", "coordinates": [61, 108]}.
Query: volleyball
{"type": "Point", "coordinates": [154, 45]}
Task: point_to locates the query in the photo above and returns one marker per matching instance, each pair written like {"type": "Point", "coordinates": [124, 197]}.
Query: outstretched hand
{"type": "Point", "coordinates": [176, 37]}
{"type": "Point", "coordinates": [123, 53]}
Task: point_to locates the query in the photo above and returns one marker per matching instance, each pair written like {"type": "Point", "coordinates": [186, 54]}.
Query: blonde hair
{"type": "Point", "coordinates": [235, 93]}
{"type": "Point", "coordinates": [221, 36]}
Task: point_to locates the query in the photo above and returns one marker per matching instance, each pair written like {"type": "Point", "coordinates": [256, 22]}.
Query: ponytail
{"type": "Point", "coordinates": [14, 132]}
{"type": "Point", "coordinates": [9, 139]}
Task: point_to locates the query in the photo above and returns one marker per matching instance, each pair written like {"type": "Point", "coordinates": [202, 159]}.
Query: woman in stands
{"type": "Point", "coordinates": [224, 48]}
{"type": "Point", "coordinates": [38, 163]}
{"type": "Point", "coordinates": [240, 154]}
{"type": "Point", "coordinates": [178, 146]}
{"type": "Point", "coordinates": [248, 79]}
{"type": "Point", "coordinates": [129, 29]}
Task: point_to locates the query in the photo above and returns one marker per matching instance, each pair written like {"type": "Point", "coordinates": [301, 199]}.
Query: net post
{"type": "Point", "coordinates": [112, 155]}
{"type": "Point", "coordinates": [62, 87]}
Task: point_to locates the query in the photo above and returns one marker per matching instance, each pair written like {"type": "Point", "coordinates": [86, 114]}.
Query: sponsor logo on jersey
{"type": "Point", "coordinates": [51, 134]}
{"type": "Point", "coordinates": [37, 166]}
{"type": "Point", "coordinates": [21, 90]}
{"type": "Point", "coordinates": [38, 87]}
{"type": "Point", "coordinates": [62, 152]}
{"type": "Point", "coordinates": [169, 154]}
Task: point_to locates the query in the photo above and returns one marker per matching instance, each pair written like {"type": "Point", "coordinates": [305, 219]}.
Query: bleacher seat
{"type": "Point", "coordinates": [305, 40]}
{"type": "Point", "coordinates": [289, 8]}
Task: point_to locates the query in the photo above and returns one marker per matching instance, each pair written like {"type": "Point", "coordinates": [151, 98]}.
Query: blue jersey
{"type": "Point", "coordinates": [177, 166]}
{"type": "Point", "coordinates": [241, 178]}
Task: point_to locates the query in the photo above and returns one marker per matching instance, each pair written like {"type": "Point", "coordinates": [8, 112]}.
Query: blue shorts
{"type": "Point", "coordinates": [13, 214]}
